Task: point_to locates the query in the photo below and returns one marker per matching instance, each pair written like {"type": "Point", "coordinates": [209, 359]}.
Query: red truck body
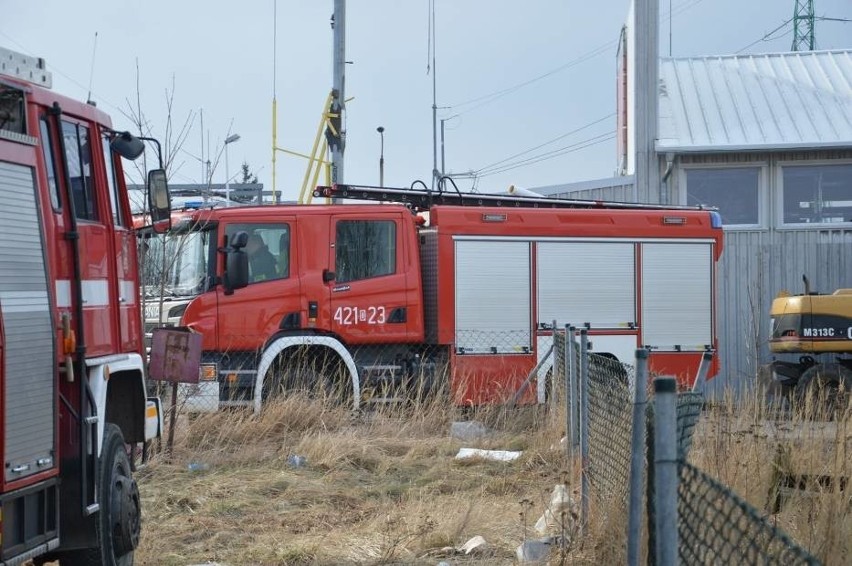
{"type": "Point", "coordinates": [72, 388]}
{"type": "Point", "coordinates": [467, 297]}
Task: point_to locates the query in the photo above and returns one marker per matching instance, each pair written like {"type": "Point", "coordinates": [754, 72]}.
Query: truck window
{"type": "Point", "coordinates": [268, 249]}
{"type": "Point", "coordinates": [109, 160]}
{"type": "Point", "coordinates": [79, 158]}
{"type": "Point", "coordinates": [49, 163]}
{"type": "Point", "coordinates": [364, 249]}
{"type": "Point", "coordinates": [12, 110]}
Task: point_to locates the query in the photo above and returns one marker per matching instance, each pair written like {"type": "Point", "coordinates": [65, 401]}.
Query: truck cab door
{"type": "Point", "coordinates": [368, 281]}
{"type": "Point", "coordinates": [271, 301]}
{"type": "Point", "coordinates": [129, 325]}
{"type": "Point", "coordinates": [97, 260]}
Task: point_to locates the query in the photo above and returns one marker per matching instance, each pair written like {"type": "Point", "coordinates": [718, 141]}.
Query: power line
{"type": "Point", "coordinates": [491, 97]}
{"type": "Point", "coordinates": [549, 155]}
{"type": "Point", "coordinates": [495, 95]}
{"type": "Point", "coordinates": [565, 135]}
{"type": "Point", "coordinates": [767, 36]}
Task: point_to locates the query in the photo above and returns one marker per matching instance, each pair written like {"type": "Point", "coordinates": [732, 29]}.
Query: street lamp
{"type": "Point", "coordinates": [381, 130]}
{"type": "Point", "coordinates": [230, 139]}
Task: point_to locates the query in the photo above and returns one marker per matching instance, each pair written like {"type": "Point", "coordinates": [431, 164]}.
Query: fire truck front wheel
{"type": "Point", "coordinates": [119, 521]}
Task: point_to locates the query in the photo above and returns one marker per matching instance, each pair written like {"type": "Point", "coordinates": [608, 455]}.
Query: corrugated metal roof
{"type": "Point", "coordinates": [789, 100]}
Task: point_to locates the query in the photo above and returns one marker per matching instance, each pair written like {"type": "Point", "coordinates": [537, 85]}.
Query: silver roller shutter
{"type": "Point", "coordinates": [676, 295]}
{"type": "Point", "coordinates": [580, 282]}
{"type": "Point", "coordinates": [29, 370]}
{"type": "Point", "coordinates": [493, 296]}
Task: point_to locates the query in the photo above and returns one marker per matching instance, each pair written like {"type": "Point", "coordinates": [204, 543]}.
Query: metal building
{"type": "Point", "coordinates": [768, 140]}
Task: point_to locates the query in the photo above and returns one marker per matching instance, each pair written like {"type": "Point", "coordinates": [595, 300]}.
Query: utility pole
{"type": "Point", "coordinates": [803, 26]}
{"type": "Point", "coordinates": [337, 141]}
{"type": "Point", "coordinates": [647, 73]}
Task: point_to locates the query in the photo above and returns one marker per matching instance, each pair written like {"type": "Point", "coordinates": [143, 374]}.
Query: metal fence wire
{"type": "Point", "coordinates": [610, 427]}
{"type": "Point", "coordinates": [716, 526]}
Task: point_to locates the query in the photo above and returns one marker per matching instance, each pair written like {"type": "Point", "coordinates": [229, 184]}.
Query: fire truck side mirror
{"type": "Point", "coordinates": [236, 263]}
{"type": "Point", "coordinates": [127, 145]}
{"type": "Point", "coordinates": [159, 200]}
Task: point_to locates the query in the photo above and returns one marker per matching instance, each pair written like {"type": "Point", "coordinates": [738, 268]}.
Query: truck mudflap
{"type": "Point", "coordinates": [153, 418]}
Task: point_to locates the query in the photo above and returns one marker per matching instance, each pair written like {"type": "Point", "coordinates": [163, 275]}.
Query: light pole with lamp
{"type": "Point", "coordinates": [230, 139]}
{"type": "Point", "coordinates": [381, 130]}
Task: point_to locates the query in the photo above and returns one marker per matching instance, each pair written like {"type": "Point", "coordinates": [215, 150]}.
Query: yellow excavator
{"type": "Point", "coordinates": [814, 326]}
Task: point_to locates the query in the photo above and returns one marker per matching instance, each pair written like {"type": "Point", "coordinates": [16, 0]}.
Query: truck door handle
{"type": "Point", "coordinates": [398, 315]}
{"type": "Point", "coordinates": [327, 276]}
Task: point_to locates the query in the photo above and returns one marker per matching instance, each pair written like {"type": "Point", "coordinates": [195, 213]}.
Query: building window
{"type": "Point", "coordinates": [817, 194]}
{"type": "Point", "coordinates": [364, 249]}
{"type": "Point", "coordinates": [734, 191]}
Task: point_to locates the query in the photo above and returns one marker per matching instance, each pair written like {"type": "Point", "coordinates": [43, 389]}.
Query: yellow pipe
{"type": "Point", "coordinates": [313, 154]}
{"type": "Point", "coordinates": [317, 170]}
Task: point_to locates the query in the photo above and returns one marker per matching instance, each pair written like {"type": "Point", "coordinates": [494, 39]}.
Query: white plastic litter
{"type": "Point", "coordinates": [498, 455]}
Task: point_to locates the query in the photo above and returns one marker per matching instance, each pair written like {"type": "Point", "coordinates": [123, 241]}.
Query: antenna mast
{"type": "Point", "coordinates": [92, 71]}
{"type": "Point", "coordinates": [434, 97]}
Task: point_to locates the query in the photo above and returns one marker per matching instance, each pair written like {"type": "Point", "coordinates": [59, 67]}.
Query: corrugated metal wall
{"type": "Point", "coordinates": [755, 266]}
{"type": "Point", "coordinates": [621, 193]}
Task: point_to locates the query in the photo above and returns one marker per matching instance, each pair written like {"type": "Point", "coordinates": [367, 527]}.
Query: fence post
{"type": "Point", "coordinates": [584, 427]}
{"type": "Point", "coordinates": [666, 473]}
{"type": "Point", "coordinates": [703, 370]}
{"type": "Point", "coordinates": [573, 388]}
{"type": "Point", "coordinates": [637, 458]}
{"type": "Point", "coordinates": [553, 372]}
{"type": "Point", "coordinates": [570, 394]}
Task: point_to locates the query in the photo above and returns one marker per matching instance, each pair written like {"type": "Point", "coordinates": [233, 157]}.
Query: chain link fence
{"type": "Point", "coordinates": [712, 524]}
{"type": "Point", "coordinates": [705, 521]}
{"type": "Point", "coordinates": [716, 526]}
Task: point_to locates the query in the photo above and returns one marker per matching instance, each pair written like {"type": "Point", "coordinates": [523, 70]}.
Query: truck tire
{"type": "Point", "coordinates": [317, 372]}
{"type": "Point", "coordinates": [831, 382]}
{"type": "Point", "coordinates": [120, 515]}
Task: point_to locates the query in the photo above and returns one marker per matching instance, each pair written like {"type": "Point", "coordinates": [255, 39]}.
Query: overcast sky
{"type": "Point", "coordinates": [512, 75]}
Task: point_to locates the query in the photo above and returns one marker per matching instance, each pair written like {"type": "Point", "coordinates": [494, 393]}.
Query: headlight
{"type": "Point", "coordinates": [208, 372]}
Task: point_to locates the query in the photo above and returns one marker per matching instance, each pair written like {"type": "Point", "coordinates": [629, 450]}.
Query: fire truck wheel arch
{"type": "Point", "coordinates": [281, 344]}
{"type": "Point", "coordinates": [111, 373]}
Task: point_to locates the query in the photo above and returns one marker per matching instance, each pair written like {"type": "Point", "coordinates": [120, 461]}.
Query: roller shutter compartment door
{"type": "Point", "coordinates": [493, 297]}
{"type": "Point", "coordinates": [580, 282]}
{"type": "Point", "coordinates": [29, 394]}
{"type": "Point", "coordinates": [677, 295]}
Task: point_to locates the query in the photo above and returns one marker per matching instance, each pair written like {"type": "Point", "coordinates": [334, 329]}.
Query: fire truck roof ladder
{"type": "Point", "coordinates": [425, 198]}
{"type": "Point", "coordinates": [20, 66]}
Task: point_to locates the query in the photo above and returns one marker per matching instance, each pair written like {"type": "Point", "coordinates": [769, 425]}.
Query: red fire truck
{"type": "Point", "coordinates": [465, 298]}
{"type": "Point", "coordinates": [73, 395]}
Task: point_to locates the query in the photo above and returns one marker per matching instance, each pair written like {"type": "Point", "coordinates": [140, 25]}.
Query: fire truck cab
{"type": "Point", "coordinates": [72, 375]}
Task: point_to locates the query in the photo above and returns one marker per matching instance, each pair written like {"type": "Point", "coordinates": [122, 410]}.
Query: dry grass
{"type": "Point", "coordinates": [753, 452]}
{"type": "Point", "coordinates": [384, 487]}
{"type": "Point", "coordinates": [377, 488]}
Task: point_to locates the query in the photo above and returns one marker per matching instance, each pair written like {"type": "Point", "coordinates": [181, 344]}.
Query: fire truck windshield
{"type": "Point", "coordinates": [175, 264]}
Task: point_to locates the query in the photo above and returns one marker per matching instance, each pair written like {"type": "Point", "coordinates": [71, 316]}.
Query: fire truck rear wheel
{"type": "Point", "coordinates": [120, 517]}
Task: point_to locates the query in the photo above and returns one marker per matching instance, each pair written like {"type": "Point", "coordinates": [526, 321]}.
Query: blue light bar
{"type": "Point", "coordinates": [715, 220]}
